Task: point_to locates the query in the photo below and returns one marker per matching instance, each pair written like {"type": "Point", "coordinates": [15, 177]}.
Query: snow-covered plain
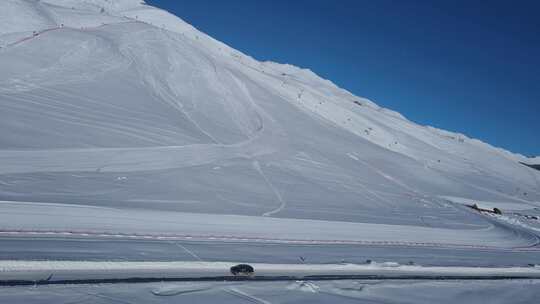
{"type": "Point", "coordinates": [48, 219]}
{"type": "Point", "coordinates": [119, 120]}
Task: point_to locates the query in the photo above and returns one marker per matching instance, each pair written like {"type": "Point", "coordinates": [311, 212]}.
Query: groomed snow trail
{"type": "Point", "coordinates": [37, 219]}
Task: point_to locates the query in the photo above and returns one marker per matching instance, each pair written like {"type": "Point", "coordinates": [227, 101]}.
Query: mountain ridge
{"type": "Point", "coordinates": [130, 8]}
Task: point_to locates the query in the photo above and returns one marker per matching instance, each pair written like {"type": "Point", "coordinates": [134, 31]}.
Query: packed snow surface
{"type": "Point", "coordinates": [59, 220]}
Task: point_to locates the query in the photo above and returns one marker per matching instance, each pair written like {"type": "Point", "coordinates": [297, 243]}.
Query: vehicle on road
{"type": "Point", "coordinates": [242, 270]}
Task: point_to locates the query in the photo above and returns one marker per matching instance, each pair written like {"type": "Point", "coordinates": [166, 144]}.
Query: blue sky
{"type": "Point", "coordinates": [466, 66]}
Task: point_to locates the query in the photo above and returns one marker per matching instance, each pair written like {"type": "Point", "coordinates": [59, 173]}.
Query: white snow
{"type": "Point", "coordinates": [491, 205]}
{"type": "Point", "coordinates": [532, 160]}
{"type": "Point", "coordinates": [81, 270]}
{"type": "Point", "coordinates": [348, 291]}
{"type": "Point", "coordinates": [20, 219]}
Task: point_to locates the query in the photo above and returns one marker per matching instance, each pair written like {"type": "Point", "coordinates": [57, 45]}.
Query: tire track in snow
{"type": "Point", "coordinates": [247, 239]}
{"type": "Point", "coordinates": [187, 250]}
{"type": "Point", "coordinates": [517, 230]}
{"type": "Point", "coordinates": [240, 294]}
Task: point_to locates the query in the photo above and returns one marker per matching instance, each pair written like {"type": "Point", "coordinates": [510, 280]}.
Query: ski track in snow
{"type": "Point", "coordinates": [57, 28]}
{"type": "Point", "coordinates": [381, 173]}
{"type": "Point", "coordinates": [280, 199]}
{"type": "Point", "coordinates": [137, 158]}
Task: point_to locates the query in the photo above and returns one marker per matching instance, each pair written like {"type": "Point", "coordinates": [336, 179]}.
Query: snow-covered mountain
{"type": "Point", "coordinates": [532, 160]}
{"type": "Point", "coordinates": [120, 104]}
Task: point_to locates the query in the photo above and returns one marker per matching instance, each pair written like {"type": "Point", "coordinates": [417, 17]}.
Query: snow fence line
{"type": "Point", "coordinates": [13, 272]}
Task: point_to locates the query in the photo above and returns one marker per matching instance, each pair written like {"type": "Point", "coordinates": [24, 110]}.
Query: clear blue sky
{"type": "Point", "coordinates": [467, 66]}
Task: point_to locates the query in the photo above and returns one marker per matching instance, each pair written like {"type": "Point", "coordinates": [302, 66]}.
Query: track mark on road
{"type": "Point", "coordinates": [240, 294]}
{"type": "Point", "coordinates": [193, 254]}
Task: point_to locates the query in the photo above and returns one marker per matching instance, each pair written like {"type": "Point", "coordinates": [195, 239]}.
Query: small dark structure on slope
{"type": "Point", "coordinates": [490, 210]}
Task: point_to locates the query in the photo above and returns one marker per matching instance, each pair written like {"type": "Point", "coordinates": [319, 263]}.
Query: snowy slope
{"type": "Point", "coordinates": [119, 104]}
{"type": "Point", "coordinates": [535, 161]}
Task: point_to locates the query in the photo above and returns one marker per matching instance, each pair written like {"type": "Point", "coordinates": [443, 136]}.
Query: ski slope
{"type": "Point", "coordinates": [121, 120]}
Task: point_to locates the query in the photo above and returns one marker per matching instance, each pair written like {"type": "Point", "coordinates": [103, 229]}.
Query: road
{"type": "Point", "coordinates": [96, 249]}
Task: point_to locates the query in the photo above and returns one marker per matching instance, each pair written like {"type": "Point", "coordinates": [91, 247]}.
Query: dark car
{"type": "Point", "coordinates": [242, 269]}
